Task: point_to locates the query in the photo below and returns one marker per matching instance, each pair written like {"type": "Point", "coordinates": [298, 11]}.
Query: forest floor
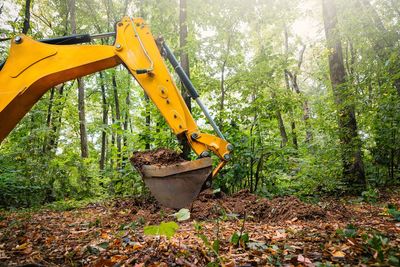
{"type": "Point", "coordinates": [279, 232]}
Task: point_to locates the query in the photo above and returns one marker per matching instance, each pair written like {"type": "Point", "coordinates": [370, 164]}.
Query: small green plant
{"type": "Point", "coordinates": [377, 243]}
{"type": "Point", "coordinates": [392, 210]}
{"type": "Point", "coordinates": [240, 239]}
{"type": "Point", "coordinates": [349, 231]}
{"type": "Point", "coordinates": [96, 223]}
{"type": "Point", "coordinates": [212, 246]}
{"type": "Point", "coordinates": [167, 229]}
{"type": "Point", "coordinates": [371, 195]}
{"type": "Point", "coordinates": [133, 225]}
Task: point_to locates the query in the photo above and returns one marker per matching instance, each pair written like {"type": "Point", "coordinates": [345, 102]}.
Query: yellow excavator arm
{"type": "Point", "coordinates": [33, 67]}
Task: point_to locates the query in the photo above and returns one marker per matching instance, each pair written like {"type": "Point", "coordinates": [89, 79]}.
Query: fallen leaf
{"type": "Point", "coordinates": [304, 260]}
{"type": "Point", "coordinates": [338, 254]}
{"type": "Point", "coordinates": [22, 247]}
{"type": "Point", "coordinates": [105, 235]}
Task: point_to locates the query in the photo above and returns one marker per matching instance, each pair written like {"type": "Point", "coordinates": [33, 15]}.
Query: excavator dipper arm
{"type": "Point", "coordinates": [33, 67]}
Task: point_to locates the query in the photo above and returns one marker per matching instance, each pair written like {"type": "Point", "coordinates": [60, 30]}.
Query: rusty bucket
{"type": "Point", "coordinates": [177, 185]}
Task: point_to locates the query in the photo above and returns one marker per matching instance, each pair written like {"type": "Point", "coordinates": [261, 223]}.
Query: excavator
{"type": "Point", "coordinates": [33, 67]}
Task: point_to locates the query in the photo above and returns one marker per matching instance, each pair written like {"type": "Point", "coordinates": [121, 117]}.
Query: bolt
{"type": "Point", "coordinates": [180, 126]}
{"type": "Point", "coordinates": [175, 116]}
{"type": "Point", "coordinates": [208, 184]}
{"type": "Point", "coordinates": [120, 24]}
{"type": "Point", "coordinates": [167, 101]}
{"type": "Point", "coordinates": [162, 91]}
{"type": "Point", "coordinates": [227, 157]}
{"type": "Point", "coordinates": [118, 46]}
{"type": "Point", "coordinates": [18, 39]}
{"type": "Point", "coordinates": [204, 154]}
{"type": "Point", "coordinates": [229, 147]}
{"type": "Point", "coordinates": [194, 136]}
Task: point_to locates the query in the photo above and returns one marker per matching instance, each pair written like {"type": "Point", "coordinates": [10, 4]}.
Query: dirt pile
{"type": "Point", "coordinates": [212, 206]}
{"type": "Point", "coordinates": [159, 157]}
{"type": "Point", "coordinates": [255, 208]}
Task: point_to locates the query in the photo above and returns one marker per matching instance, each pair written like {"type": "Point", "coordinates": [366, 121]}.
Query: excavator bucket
{"type": "Point", "coordinates": [177, 185]}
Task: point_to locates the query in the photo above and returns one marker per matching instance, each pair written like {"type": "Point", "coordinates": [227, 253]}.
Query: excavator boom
{"type": "Point", "coordinates": [33, 67]}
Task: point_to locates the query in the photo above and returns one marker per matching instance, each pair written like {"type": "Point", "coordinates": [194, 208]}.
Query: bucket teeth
{"type": "Point", "coordinates": [177, 186]}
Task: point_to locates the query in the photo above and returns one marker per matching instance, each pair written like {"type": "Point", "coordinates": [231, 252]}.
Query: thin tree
{"type": "Point", "coordinates": [81, 92]}
{"type": "Point", "coordinates": [27, 18]}
{"type": "Point", "coordinates": [105, 122]}
{"type": "Point", "coordinates": [117, 119]}
{"type": "Point", "coordinates": [285, 73]}
{"type": "Point", "coordinates": [183, 34]}
{"type": "Point", "coordinates": [353, 168]}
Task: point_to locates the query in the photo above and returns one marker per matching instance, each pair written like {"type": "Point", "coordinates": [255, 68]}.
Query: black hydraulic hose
{"type": "Point", "coordinates": [68, 40]}
{"type": "Point", "coordinates": [179, 70]}
{"type": "Point", "coordinates": [189, 86]}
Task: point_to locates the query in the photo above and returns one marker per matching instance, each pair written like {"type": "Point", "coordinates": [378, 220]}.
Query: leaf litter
{"type": "Point", "coordinates": [282, 231]}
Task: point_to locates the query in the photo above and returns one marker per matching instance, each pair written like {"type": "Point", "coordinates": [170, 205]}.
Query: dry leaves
{"type": "Point", "coordinates": [110, 234]}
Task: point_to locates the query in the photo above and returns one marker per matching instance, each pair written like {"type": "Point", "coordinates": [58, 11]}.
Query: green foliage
{"type": "Point", "coordinates": [392, 210]}
{"type": "Point", "coordinates": [349, 231]}
{"type": "Point", "coordinates": [212, 246]}
{"type": "Point", "coordinates": [240, 239]}
{"type": "Point", "coordinates": [377, 244]}
{"type": "Point", "coordinates": [371, 195]}
{"type": "Point", "coordinates": [166, 229]}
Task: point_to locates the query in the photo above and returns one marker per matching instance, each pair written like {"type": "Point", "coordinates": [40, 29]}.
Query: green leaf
{"type": "Point", "coordinates": [395, 213]}
{"type": "Point", "coordinates": [103, 245]}
{"type": "Point", "coordinates": [167, 229]}
{"type": "Point", "coordinates": [350, 231]}
{"type": "Point", "coordinates": [93, 250]}
{"type": "Point", "coordinates": [245, 238]}
{"type": "Point", "coordinates": [216, 246]}
{"type": "Point", "coordinates": [205, 239]}
{"type": "Point", "coordinates": [393, 260]}
{"type": "Point", "coordinates": [182, 215]}
{"type": "Point", "coordinates": [235, 238]}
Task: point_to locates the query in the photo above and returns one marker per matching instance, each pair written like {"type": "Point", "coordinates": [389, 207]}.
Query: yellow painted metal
{"type": "Point", "coordinates": [33, 67]}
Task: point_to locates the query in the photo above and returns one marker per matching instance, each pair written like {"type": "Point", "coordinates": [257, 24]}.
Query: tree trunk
{"type": "Point", "coordinates": [282, 128]}
{"type": "Point", "coordinates": [82, 119]}
{"type": "Point", "coordinates": [258, 171]}
{"type": "Point", "coordinates": [126, 125]}
{"type": "Point", "coordinates": [295, 86]}
{"type": "Point", "coordinates": [285, 73]}
{"type": "Point", "coordinates": [57, 118]}
{"type": "Point", "coordinates": [48, 120]}
{"type": "Point", "coordinates": [118, 119]}
{"type": "Point", "coordinates": [281, 125]}
{"type": "Point", "coordinates": [183, 34]}
{"type": "Point", "coordinates": [81, 91]}
{"type": "Point", "coordinates": [105, 123]}
{"type": "Point", "coordinates": [27, 18]}
{"type": "Point", "coordinates": [353, 168]}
